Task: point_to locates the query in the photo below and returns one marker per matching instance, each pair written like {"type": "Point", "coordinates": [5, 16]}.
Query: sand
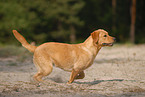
{"type": "Point", "coordinates": [117, 71]}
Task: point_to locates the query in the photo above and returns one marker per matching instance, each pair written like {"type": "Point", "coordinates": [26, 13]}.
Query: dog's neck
{"type": "Point", "coordinates": [89, 44]}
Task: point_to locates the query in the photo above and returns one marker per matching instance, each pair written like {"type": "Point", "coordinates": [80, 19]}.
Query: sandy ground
{"type": "Point", "coordinates": [118, 71]}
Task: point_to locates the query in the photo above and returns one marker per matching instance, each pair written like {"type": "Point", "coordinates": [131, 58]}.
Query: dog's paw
{"type": "Point", "coordinates": [68, 82]}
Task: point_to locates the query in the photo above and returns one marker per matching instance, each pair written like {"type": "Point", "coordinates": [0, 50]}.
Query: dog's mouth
{"type": "Point", "coordinates": [107, 44]}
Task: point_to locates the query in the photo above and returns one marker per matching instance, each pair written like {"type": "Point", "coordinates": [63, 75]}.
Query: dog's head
{"type": "Point", "coordinates": [101, 38]}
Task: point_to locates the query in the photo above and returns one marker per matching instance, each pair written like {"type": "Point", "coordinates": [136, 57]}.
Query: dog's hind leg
{"type": "Point", "coordinates": [81, 75]}
{"type": "Point", "coordinates": [44, 65]}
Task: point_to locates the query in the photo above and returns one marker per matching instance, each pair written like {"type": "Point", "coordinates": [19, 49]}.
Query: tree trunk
{"type": "Point", "coordinates": [114, 16]}
{"type": "Point", "coordinates": [72, 34]}
{"type": "Point", "coordinates": [133, 19]}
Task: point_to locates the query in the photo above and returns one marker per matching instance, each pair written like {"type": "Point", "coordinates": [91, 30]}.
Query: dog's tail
{"type": "Point", "coordinates": [23, 41]}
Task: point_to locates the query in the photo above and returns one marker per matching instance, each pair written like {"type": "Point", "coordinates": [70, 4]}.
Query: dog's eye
{"type": "Point", "coordinates": [105, 35]}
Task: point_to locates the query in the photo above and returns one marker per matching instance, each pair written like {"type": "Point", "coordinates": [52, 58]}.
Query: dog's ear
{"type": "Point", "coordinates": [95, 36]}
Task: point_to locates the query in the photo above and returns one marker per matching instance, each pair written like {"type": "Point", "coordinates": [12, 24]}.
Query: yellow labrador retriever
{"type": "Point", "coordinates": [74, 58]}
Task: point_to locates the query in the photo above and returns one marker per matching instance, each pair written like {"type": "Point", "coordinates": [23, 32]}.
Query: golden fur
{"type": "Point", "coordinates": [74, 58]}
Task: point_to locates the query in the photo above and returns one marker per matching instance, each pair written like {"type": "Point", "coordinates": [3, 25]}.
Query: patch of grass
{"type": "Point", "coordinates": [22, 58]}
{"type": "Point", "coordinates": [12, 64]}
{"type": "Point", "coordinates": [12, 50]}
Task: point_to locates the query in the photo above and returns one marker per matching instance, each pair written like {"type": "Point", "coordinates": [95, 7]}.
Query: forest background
{"type": "Point", "coordinates": [71, 21]}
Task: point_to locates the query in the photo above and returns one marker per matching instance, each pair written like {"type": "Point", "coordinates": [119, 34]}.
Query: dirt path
{"type": "Point", "coordinates": [117, 71]}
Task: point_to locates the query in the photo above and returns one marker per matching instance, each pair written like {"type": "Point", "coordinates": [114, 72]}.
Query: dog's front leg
{"type": "Point", "coordinates": [74, 74]}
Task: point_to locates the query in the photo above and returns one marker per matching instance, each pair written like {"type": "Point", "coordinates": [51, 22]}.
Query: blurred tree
{"type": "Point", "coordinates": [65, 15]}
{"type": "Point", "coordinates": [11, 16]}
{"type": "Point", "coordinates": [58, 19]}
{"type": "Point", "coordinates": [133, 19]}
{"type": "Point", "coordinates": [64, 20]}
{"type": "Point", "coordinates": [43, 19]}
{"type": "Point", "coordinates": [113, 16]}
{"type": "Point", "coordinates": [97, 14]}
{"type": "Point", "coordinates": [122, 20]}
{"type": "Point", "coordinates": [140, 21]}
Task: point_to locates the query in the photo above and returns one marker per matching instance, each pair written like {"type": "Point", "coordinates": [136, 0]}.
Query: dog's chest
{"type": "Point", "coordinates": [84, 61]}
{"type": "Point", "coordinates": [89, 63]}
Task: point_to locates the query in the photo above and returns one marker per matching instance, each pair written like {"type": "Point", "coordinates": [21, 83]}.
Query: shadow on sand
{"type": "Point", "coordinates": [98, 81]}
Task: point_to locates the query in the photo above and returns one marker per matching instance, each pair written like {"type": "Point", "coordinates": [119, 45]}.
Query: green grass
{"type": "Point", "coordinates": [12, 64]}
{"type": "Point", "coordinates": [12, 50]}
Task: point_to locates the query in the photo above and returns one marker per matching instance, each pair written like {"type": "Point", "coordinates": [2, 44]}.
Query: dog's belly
{"type": "Point", "coordinates": [64, 61]}
{"type": "Point", "coordinates": [65, 65]}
